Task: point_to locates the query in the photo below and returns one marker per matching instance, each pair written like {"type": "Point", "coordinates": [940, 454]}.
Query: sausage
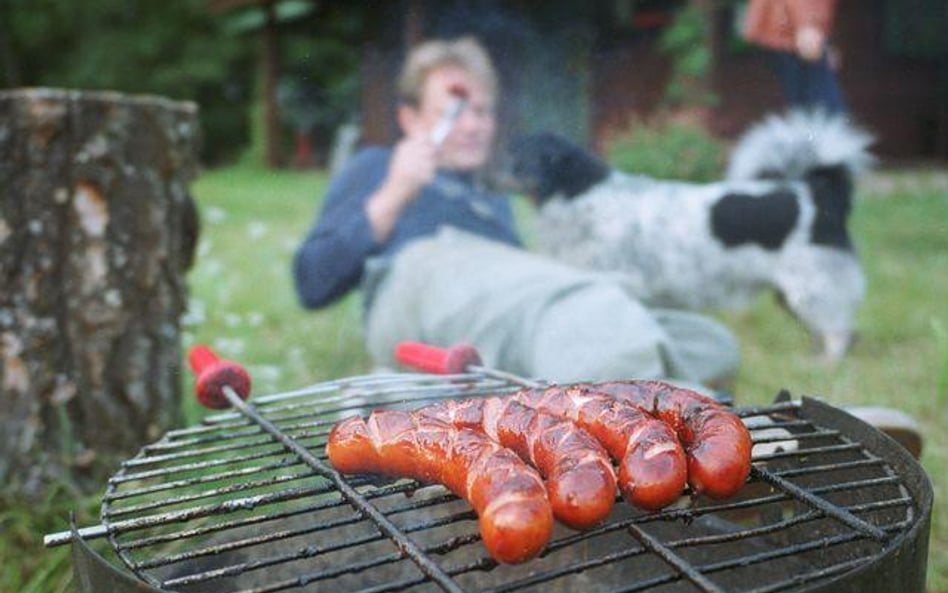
{"type": "Point", "coordinates": [652, 465]}
{"type": "Point", "coordinates": [514, 514]}
{"type": "Point", "coordinates": [717, 443]}
{"type": "Point", "coordinates": [580, 479]}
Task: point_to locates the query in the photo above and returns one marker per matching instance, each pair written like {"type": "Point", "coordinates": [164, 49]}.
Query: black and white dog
{"type": "Point", "coordinates": [778, 221]}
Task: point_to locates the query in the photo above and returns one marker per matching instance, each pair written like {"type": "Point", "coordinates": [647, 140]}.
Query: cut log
{"type": "Point", "coordinates": [97, 230]}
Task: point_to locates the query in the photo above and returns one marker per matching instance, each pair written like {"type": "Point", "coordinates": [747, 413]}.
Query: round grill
{"type": "Point", "coordinates": [832, 505]}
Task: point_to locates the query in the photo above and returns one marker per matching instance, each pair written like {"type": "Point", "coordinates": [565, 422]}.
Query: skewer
{"type": "Point", "coordinates": [224, 383]}
{"type": "Point", "coordinates": [441, 130]}
{"type": "Point", "coordinates": [51, 540]}
{"type": "Point", "coordinates": [220, 383]}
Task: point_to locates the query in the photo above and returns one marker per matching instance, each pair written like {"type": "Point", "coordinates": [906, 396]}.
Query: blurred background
{"type": "Point", "coordinates": [286, 89]}
{"type": "Point", "coordinates": [278, 79]}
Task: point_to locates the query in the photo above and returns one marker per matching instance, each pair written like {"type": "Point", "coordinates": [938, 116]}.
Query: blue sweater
{"type": "Point", "coordinates": [331, 260]}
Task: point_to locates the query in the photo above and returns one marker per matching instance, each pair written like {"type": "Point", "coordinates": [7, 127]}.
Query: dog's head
{"type": "Point", "coordinates": [546, 165]}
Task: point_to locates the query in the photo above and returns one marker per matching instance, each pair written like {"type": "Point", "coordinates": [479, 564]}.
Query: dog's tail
{"type": "Point", "coordinates": [793, 145]}
{"type": "Point", "coordinates": [822, 150]}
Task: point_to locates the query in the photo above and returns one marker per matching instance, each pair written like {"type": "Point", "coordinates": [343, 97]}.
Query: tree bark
{"type": "Point", "coordinates": [97, 230]}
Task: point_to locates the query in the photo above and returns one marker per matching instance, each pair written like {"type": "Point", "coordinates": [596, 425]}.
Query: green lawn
{"type": "Point", "coordinates": [243, 305]}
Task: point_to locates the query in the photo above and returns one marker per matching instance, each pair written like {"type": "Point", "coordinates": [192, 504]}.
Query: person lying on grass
{"type": "Point", "coordinates": [438, 258]}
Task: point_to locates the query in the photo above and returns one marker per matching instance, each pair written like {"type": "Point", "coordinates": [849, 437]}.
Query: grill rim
{"type": "Point", "coordinates": [903, 566]}
{"type": "Point", "coordinates": [820, 414]}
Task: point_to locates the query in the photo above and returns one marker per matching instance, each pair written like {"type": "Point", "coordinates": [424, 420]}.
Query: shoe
{"type": "Point", "coordinates": [898, 425]}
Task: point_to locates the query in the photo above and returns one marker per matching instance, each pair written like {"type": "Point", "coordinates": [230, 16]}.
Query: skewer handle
{"type": "Point", "coordinates": [215, 373]}
{"type": "Point", "coordinates": [434, 359]}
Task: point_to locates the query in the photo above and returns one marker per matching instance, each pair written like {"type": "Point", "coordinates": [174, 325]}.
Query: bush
{"type": "Point", "coordinates": [172, 49]}
{"type": "Point", "coordinates": [671, 150]}
{"type": "Point", "coordinates": [687, 44]}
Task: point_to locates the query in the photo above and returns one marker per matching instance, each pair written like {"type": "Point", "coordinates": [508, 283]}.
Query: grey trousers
{"type": "Point", "coordinates": [535, 317]}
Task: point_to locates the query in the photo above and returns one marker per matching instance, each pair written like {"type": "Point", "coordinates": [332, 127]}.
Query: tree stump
{"type": "Point", "coordinates": [97, 230]}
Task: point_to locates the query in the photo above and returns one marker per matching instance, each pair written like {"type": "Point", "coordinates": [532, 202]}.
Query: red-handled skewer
{"type": "Point", "coordinates": [220, 384]}
{"type": "Point", "coordinates": [457, 359]}
{"type": "Point", "coordinates": [223, 383]}
{"type": "Point", "coordinates": [215, 377]}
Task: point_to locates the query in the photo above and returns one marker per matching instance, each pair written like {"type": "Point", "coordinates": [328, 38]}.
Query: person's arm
{"type": "Point", "coordinates": [412, 167]}
{"type": "Point", "coordinates": [362, 208]}
{"type": "Point", "coordinates": [330, 260]}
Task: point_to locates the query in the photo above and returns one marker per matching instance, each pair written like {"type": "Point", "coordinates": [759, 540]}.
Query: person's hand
{"type": "Point", "coordinates": [810, 42]}
{"type": "Point", "coordinates": [413, 166]}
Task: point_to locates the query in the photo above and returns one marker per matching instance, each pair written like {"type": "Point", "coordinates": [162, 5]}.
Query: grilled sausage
{"type": "Point", "coordinates": [717, 443]}
{"type": "Point", "coordinates": [652, 465]}
{"type": "Point", "coordinates": [515, 517]}
{"type": "Point", "coordinates": [580, 479]}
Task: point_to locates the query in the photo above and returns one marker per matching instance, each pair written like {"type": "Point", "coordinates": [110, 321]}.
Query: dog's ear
{"type": "Point", "coordinates": [578, 170]}
{"type": "Point", "coordinates": [530, 165]}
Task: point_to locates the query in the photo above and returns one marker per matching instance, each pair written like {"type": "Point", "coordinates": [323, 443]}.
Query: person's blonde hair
{"type": "Point", "coordinates": [463, 52]}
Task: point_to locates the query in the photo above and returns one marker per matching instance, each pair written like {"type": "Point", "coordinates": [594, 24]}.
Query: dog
{"type": "Point", "coordinates": [777, 221]}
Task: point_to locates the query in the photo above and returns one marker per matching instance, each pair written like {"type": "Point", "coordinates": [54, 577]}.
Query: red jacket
{"type": "Point", "coordinates": [774, 23]}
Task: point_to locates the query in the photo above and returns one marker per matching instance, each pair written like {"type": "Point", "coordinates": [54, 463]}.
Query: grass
{"type": "Point", "coordinates": [25, 566]}
{"type": "Point", "coordinates": [243, 305]}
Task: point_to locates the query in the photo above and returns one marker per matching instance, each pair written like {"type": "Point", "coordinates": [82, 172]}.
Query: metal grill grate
{"type": "Point", "coordinates": [226, 507]}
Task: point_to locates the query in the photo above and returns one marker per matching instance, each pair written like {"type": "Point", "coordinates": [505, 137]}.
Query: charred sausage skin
{"type": "Point", "coordinates": [514, 514]}
{"type": "Point", "coordinates": [716, 441]}
{"type": "Point", "coordinates": [652, 465]}
{"type": "Point", "coordinates": [580, 479]}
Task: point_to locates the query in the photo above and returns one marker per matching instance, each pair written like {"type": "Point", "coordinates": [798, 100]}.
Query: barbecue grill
{"type": "Point", "coordinates": [246, 502]}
